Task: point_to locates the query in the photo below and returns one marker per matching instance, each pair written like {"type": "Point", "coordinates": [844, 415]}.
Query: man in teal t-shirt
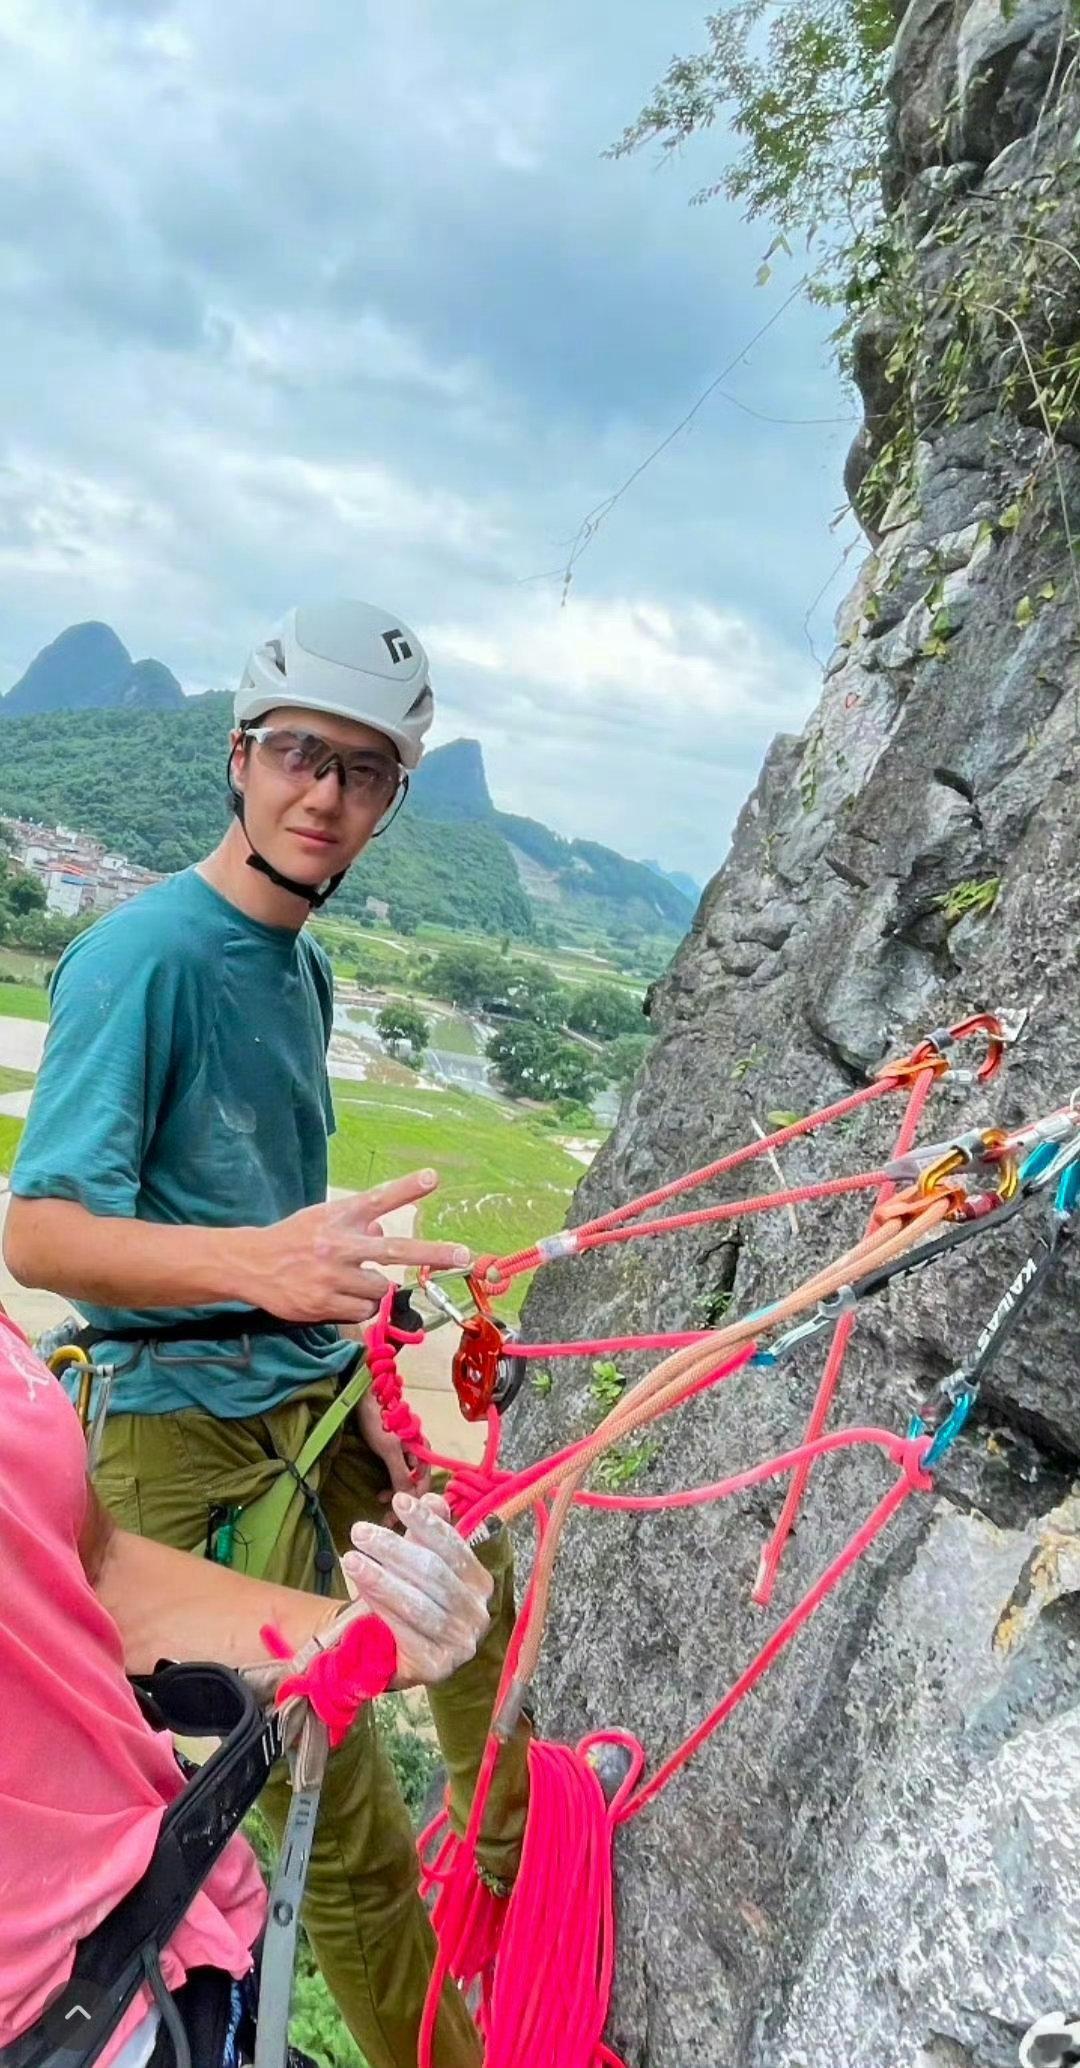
{"type": "Point", "coordinates": [173, 1172]}
{"type": "Point", "coordinates": [185, 1083]}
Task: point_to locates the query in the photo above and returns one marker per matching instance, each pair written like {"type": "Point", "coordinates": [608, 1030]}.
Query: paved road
{"type": "Point", "coordinates": [21, 1043]}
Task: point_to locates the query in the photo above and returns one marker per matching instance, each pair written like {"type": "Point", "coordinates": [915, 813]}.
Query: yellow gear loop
{"type": "Point", "coordinates": [956, 1159]}
{"type": "Point", "coordinates": [70, 1354]}
{"type": "Point", "coordinates": [935, 1173]}
{"type": "Point", "coordinates": [1008, 1184]}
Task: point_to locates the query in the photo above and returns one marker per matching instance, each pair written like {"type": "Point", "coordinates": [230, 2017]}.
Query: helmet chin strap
{"type": "Point", "coordinates": [315, 898]}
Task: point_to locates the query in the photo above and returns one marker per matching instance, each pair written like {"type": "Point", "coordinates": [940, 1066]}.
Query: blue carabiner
{"type": "Point", "coordinates": [1068, 1192]}
{"type": "Point", "coordinates": [1038, 1161]}
{"type": "Point", "coordinates": [950, 1428]}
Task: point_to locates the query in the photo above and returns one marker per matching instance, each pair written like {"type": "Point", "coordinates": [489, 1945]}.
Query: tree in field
{"type": "Point", "coordinates": [604, 1011]}
{"type": "Point", "coordinates": [401, 1025]}
{"type": "Point", "coordinates": [532, 993]}
{"type": "Point", "coordinates": [23, 893]}
{"type": "Point", "coordinates": [404, 915]}
{"type": "Point", "coordinates": [624, 1057]}
{"type": "Point", "coordinates": [467, 976]}
{"type": "Point", "coordinates": [535, 1063]}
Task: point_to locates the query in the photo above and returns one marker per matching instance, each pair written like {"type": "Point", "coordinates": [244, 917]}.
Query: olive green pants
{"type": "Point", "coordinates": [160, 1475]}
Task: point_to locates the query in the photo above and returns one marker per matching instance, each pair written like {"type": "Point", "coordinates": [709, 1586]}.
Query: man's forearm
{"type": "Point", "coordinates": [58, 1245]}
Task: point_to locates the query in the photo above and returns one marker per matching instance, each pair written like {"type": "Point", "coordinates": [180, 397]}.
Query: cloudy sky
{"type": "Point", "coordinates": [301, 300]}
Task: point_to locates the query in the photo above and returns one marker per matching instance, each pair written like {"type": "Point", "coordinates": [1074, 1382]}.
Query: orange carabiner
{"type": "Point", "coordinates": [931, 1053]}
{"type": "Point", "coordinates": [1005, 1162]}
{"type": "Point", "coordinates": [930, 1180]}
{"type": "Point", "coordinates": [989, 1024]}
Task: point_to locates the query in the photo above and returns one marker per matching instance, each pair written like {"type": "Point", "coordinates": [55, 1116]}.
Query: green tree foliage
{"type": "Point", "coordinates": [803, 88]}
{"type": "Point", "coordinates": [624, 1057]}
{"type": "Point", "coordinates": [535, 1063]}
{"type": "Point", "coordinates": [467, 976]}
{"type": "Point", "coordinates": [151, 785]}
{"type": "Point", "coordinates": [24, 922]}
{"type": "Point", "coordinates": [532, 993]}
{"type": "Point", "coordinates": [23, 893]}
{"type": "Point", "coordinates": [401, 1025]}
{"type": "Point", "coordinates": [604, 1011]}
{"type": "Point", "coordinates": [597, 881]}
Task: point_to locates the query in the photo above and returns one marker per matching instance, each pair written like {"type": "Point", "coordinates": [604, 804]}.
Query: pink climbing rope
{"type": "Point", "coordinates": [503, 1269]}
{"type": "Point", "coordinates": [563, 1897]}
{"type": "Point", "coordinates": [586, 1239]}
{"type": "Point", "coordinates": [830, 1378]}
{"type": "Point", "coordinates": [533, 2014]}
{"type": "Point", "coordinates": [338, 1681]}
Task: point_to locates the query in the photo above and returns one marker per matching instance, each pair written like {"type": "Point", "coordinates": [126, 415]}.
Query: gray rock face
{"type": "Point", "coordinates": [876, 1862]}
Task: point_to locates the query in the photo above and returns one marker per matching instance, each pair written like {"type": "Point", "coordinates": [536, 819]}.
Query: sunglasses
{"type": "Point", "coordinates": [305, 757]}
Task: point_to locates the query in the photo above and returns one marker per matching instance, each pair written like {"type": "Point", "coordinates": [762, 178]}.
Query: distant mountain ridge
{"type": "Point", "coordinates": [451, 784]}
{"type": "Point", "coordinates": [114, 748]}
{"type": "Point", "coordinates": [89, 668]}
{"type": "Point", "coordinates": [679, 878]}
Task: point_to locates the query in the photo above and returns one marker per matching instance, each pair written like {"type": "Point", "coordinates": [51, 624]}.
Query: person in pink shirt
{"type": "Point", "coordinates": [84, 1780]}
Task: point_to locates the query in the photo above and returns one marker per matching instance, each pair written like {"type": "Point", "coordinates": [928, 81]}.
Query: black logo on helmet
{"type": "Point", "coordinates": [397, 646]}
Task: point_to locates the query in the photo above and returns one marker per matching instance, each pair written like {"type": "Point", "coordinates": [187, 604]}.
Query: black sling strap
{"type": "Point", "coordinates": [228, 1327]}
{"type": "Point", "coordinates": [124, 1950]}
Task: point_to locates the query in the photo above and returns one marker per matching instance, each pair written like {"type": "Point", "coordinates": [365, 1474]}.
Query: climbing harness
{"type": "Point", "coordinates": [123, 1954]}
{"type": "Point", "coordinates": [237, 1535]}
{"type": "Point", "coordinates": [261, 1717]}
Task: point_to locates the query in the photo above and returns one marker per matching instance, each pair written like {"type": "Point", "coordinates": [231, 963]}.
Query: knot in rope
{"type": "Point", "coordinates": [398, 1417]}
{"type": "Point", "coordinates": [914, 1453]}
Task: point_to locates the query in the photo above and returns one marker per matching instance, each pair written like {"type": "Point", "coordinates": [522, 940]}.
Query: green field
{"type": "Point", "coordinates": [23, 963]}
{"type": "Point", "coordinates": [10, 1130]}
{"type": "Point", "coordinates": [503, 1180]}
{"type": "Point", "coordinates": [451, 1033]}
{"type": "Point", "coordinates": [24, 1002]}
{"type": "Point", "coordinates": [15, 1080]}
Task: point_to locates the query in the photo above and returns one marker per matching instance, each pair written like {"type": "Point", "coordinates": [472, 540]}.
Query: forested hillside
{"type": "Point", "coordinates": [151, 784]}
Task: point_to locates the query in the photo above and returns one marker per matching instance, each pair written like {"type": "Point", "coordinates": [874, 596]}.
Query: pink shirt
{"type": "Point", "coordinates": [84, 1782]}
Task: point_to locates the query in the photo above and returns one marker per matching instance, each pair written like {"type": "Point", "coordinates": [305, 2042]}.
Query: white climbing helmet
{"type": "Point", "coordinates": [350, 660]}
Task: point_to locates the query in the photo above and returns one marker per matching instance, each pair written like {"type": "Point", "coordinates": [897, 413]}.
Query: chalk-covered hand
{"type": "Point", "coordinates": [427, 1585]}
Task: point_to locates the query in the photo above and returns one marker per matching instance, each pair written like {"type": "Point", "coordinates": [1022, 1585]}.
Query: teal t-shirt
{"type": "Point", "coordinates": [184, 1081]}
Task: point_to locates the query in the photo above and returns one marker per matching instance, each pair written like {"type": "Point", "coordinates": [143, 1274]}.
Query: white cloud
{"type": "Point", "coordinates": [618, 662]}
{"type": "Point", "coordinates": [628, 720]}
{"type": "Point", "coordinates": [59, 523]}
{"type": "Point", "coordinates": [302, 350]}
{"type": "Point", "coordinates": [290, 307]}
{"type": "Point", "coordinates": [509, 121]}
